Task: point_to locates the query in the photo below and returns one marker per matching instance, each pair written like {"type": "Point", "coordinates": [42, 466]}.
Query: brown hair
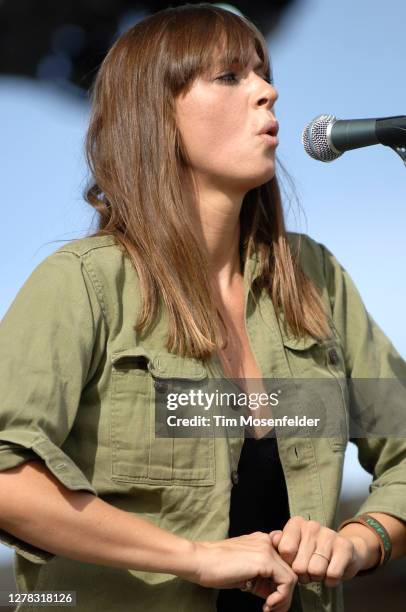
{"type": "Point", "coordinates": [135, 153]}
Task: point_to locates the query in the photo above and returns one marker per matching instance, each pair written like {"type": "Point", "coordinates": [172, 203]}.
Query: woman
{"type": "Point", "coordinates": [191, 276]}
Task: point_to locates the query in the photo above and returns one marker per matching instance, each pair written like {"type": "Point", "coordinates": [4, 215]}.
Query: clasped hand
{"type": "Point", "coordinates": [315, 554]}
{"type": "Point", "coordinates": [318, 554]}
{"type": "Point", "coordinates": [273, 563]}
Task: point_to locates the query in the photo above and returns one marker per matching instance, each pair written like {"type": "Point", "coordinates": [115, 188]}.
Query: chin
{"type": "Point", "coordinates": [245, 184]}
{"type": "Point", "coordinates": [266, 176]}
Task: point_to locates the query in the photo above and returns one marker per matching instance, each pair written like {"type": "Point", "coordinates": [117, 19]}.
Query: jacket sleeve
{"type": "Point", "coordinates": [369, 354]}
{"type": "Point", "coordinates": [51, 339]}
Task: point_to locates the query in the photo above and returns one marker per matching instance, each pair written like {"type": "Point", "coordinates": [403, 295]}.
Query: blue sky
{"type": "Point", "coordinates": [343, 58]}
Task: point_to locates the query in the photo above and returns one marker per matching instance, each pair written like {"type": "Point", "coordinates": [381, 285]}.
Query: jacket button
{"type": "Point", "coordinates": [160, 386]}
{"type": "Point", "coordinates": [234, 477]}
{"type": "Point", "coordinates": [333, 356]}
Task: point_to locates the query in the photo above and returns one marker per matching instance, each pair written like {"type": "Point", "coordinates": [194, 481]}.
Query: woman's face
{"type": "Point", "coordinates": [219, 120]}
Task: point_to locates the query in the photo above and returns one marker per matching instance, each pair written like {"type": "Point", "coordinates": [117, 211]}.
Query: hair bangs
{"type": "Point", "coordinates": [238, 39]}
{"type": "Point", "coordinates": [218, 40]}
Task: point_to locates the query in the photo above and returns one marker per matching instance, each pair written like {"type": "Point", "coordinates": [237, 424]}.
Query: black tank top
{"type": "Point", "coordinates": [259, 502]}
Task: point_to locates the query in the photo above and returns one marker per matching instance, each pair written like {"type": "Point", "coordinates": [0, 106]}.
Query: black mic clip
{"type": "Point", "coordinates": [401, 151]}
{"type": "Point", "coordinates": [391, 131]}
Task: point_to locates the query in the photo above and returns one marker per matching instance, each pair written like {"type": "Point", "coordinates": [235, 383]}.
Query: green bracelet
{"type": "Point", "coordinates": [384, 539]}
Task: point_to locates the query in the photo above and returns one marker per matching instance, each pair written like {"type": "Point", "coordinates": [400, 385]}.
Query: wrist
{"type": "Point", "coordinates": [192, 560]}
{"type": "Point", "coordinates": [182, 561]}
{"type": "Point", "coordinates": [366, 545]}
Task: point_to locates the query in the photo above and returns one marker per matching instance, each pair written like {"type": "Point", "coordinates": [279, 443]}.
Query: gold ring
{"type": "Point", "coordinates": [249, 585]}
{"type": "Point", "coordinates": [321, 555]}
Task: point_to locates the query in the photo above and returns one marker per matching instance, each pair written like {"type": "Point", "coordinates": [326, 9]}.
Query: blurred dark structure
{"type": "Point", "coordinates": [65, 41]}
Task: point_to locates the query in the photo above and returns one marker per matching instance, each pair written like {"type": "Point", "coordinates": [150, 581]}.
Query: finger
{"type": "Point", "coordinates": [353, 566]}
{"type": "Point", "coordinates": [280, 607]}
{"type": "Point", "coordinates": [342, 558]}
{"type": "Point", "coordinates": [276, 537]}
{"type": "Point", "coordinates": [281, 596]}
{"type": "Point", "coordinates": [289, 542]}
{"type": "Point", "coordinates": [320, 560]}
{"type": "Point", "coordinates": [307, 546]}
{"type": "Point", "coordinates": [263, 587]}
{"type": "Point", "coordinates": [317, 568]}
{"type": "Point", "coordinates": [351, 571]}
{"type": "Point", "coordinates": [275, 531]}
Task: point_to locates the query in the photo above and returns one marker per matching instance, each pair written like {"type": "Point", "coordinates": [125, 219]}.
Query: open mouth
{"type": "Point", "coordinates": [270, 137]}
{"type": "Point", "coordinates": [273, 128]}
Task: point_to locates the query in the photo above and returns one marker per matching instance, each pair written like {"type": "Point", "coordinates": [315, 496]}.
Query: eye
{"type": "Point", "coordinates": [230, 78]}
{"type": "Point", "coordinates": [227, 78]}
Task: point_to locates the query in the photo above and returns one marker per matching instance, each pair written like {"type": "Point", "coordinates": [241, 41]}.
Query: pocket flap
{"type": "Point", "coordinates": [161, 364]}
{"type": "Point", "coordinates": [133, 354]}
{"type": "Point", "coordinates": [299, 344]}
{"type": "Point", "coordinates": [168, 365]}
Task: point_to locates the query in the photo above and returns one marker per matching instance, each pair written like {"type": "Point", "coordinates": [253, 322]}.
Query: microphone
{"type": "Point", "coordinates": [326, 137]}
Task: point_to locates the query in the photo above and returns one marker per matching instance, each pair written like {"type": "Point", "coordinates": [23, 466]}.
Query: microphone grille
{"type": "Point", "coordinates": [315, 141]}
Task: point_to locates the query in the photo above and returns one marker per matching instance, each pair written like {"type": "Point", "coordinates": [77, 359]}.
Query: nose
{"type": "Point", "coordinates": [268, 94]}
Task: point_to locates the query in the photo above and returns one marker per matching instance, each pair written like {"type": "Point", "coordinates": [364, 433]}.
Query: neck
{"type": "Point", "coordinates": [219, 219]}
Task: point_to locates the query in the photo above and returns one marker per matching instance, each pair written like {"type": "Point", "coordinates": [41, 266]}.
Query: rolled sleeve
{"type": "Point", "coordinates": [369, 354]}
{"type": "Point", "coordinates": [50, 341]}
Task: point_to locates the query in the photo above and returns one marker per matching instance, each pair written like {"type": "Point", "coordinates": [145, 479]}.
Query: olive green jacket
{"type": "Point", "coordinates": [71, 394]}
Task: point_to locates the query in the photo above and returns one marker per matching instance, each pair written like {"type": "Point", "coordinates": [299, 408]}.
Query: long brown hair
{"type": "Point", "coordinates": [138, 164]}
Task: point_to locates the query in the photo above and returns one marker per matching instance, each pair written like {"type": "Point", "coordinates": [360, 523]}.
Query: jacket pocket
{"type": "Point", "coordinates": [321, 365]}
{"type": "Point", "coordinates": [140, 378]}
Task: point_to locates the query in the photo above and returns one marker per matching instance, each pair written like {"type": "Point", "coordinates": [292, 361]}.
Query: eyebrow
{"type": "Point", "coordinates": [222, 62]}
